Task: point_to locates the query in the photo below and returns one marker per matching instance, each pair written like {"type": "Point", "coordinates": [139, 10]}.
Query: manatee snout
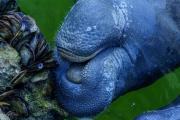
{"type": "Point", "coordinates": [92, 66]}
{"type": "Point", "coordinates": [106, 48]}
{"type": "Point", "coordinates": [87, 89]}
{"type": "Point", "coordinates": [90, 27]}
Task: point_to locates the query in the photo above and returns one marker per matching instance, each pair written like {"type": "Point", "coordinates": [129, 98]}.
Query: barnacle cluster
{"type": "Point", "coordinates": [25, 60]}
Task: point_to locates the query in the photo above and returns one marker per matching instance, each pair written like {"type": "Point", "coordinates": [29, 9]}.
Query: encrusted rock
{"type": "Point", "coordinates": [3, 116]}
{"type": "Point", "coordinates": [9, 64]}
{"type": "Point", "coordinates": [8, 5]}
{"type": "Point", "coordinates": [25, 60]}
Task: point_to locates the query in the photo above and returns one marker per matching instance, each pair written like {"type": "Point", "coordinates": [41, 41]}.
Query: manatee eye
{"type": "Point", "coordinates": [40, 66]}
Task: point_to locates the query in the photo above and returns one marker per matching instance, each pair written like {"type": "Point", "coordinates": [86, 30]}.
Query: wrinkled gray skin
{"type": "Point", "coordinates": [106, 48]}
{"type": "Point", "coordinates": [170, 112]}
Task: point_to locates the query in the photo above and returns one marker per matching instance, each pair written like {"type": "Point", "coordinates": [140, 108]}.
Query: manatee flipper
{"type": "Point", "coordinates": [169, 112]}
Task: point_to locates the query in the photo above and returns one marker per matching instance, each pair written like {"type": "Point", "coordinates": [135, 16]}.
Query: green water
{"type": "Point", "coordinates": [49, 15]}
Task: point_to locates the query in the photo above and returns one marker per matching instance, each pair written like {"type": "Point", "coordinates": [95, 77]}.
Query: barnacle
{"type": "Point", "coordinates": [8, 5]}
{"type": "Point", "coordinates": [21, 32]}
{"type": "Point", "coordinates": [31, 60]}
{"type": "Point", "coordinates": [9, 67]}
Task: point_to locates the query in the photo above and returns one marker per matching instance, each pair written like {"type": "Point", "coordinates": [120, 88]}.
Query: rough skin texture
{"type": "Point", "coordinates": [170, 112]}
{"type": "Point", "coordinates": [108, 47]}
{"type": "Point", "coordinates": [167, 114]}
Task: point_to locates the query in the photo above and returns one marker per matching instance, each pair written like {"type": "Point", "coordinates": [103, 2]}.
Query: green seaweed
{"type": "Point", "coordinates": [40, 104]}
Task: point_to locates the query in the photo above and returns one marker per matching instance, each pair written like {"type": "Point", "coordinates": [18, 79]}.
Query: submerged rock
{"type": "Point", "coordinates": [8, 5]}
{"type": "Point", "coordinates": [40, 105]}
{"type": "Point", "coordinates": [3, 116]}
{"type": "Point", "coordinates": [33, 99]}
{"type": "Point", "coordinates": [25, 62]}
{"type": "Point", "coordinates": [9, 64]}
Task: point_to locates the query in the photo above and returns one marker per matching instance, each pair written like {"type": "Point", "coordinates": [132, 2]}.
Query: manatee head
{"type": "Point", "coordinates": [84, 86]}
{"type": "Point", "coordinates": [93, 65]}
{"type": "Point", "coordinates": [90, 26]}
{"type": "Point", "coordinates": [103, 52]}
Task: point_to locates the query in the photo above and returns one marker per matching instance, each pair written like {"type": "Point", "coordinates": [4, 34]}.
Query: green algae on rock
{"type": "Point", "coordinates": [3, 116]}
{"type": "Point", "coordinates": [29, 100]}
{"type": "Point", "coordinates": [9, 64]}
{"type": "Point", "coordinates": [38, 104]}
{"type": "Point", "coordinates": [25, 63]}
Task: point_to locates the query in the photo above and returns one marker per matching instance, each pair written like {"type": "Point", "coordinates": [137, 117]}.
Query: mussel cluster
{"type": "Point", "coordinates": [25, 60]}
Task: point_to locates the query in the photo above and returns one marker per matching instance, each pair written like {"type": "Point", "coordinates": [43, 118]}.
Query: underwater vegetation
{"type": "Point", "coordinates": [108, 48]}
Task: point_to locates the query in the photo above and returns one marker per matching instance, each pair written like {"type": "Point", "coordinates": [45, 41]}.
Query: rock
{"type": "Point", "coordinates": [40, 106]}
{"type": "Point", "coordinates": [8, 5]}
{"type": "Point", "coordinates": [32, 97]}
{"type": "Point", "coordinates": [9, 64]}
{"type": "Point", "coordinates": [3, 116]}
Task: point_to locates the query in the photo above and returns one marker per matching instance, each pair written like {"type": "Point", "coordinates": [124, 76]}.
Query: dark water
{"type": "Point", "coordinates": [49, 15]}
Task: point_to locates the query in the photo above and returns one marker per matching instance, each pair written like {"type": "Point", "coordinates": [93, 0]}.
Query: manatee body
{"type": "Point", "coordinates": [106, 48]}
{"type": "Point", "coordinates": [170, 112]}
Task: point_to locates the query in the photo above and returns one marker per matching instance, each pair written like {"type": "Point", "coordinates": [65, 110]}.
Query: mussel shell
{"type": "Point", "coordinates": [9, 64]}
{"type": "Point", "coordinates": [8, 5]}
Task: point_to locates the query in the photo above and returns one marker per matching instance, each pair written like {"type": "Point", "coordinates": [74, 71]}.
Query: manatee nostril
{"type": "Point", "coordinates": [74, 74]}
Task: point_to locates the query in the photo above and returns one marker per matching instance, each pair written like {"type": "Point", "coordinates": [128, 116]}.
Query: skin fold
{"type": "Point", "coordinates": [106, 48]}
{"type": "Point", "coordinates": [170, 112]}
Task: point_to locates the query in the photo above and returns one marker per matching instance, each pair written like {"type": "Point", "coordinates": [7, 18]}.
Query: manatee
{"type": "Point", "coordinates": [106, 48]}
{"type": "Point", "coordinates": [169, 112]}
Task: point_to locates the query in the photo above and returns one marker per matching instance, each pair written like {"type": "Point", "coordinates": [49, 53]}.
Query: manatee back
{"type": "Point", "coordinates": [173, 7]}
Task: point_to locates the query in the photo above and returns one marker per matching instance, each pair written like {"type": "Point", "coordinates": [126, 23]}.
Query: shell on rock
{"type": "Point", "coordinates": [8, 5]}
{"type": "Point", "coordinates": [9, 64]}
{"type": "Point", "coordinates": [3, 116]}
{"type": "Point", "coordinates": [25, 58]}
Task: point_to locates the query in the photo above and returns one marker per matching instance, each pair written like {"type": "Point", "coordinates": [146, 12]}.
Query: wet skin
{"type": "Point", "coordinates": [106, 48]}
{"type": "Point", "coordinates": [170, 112]}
